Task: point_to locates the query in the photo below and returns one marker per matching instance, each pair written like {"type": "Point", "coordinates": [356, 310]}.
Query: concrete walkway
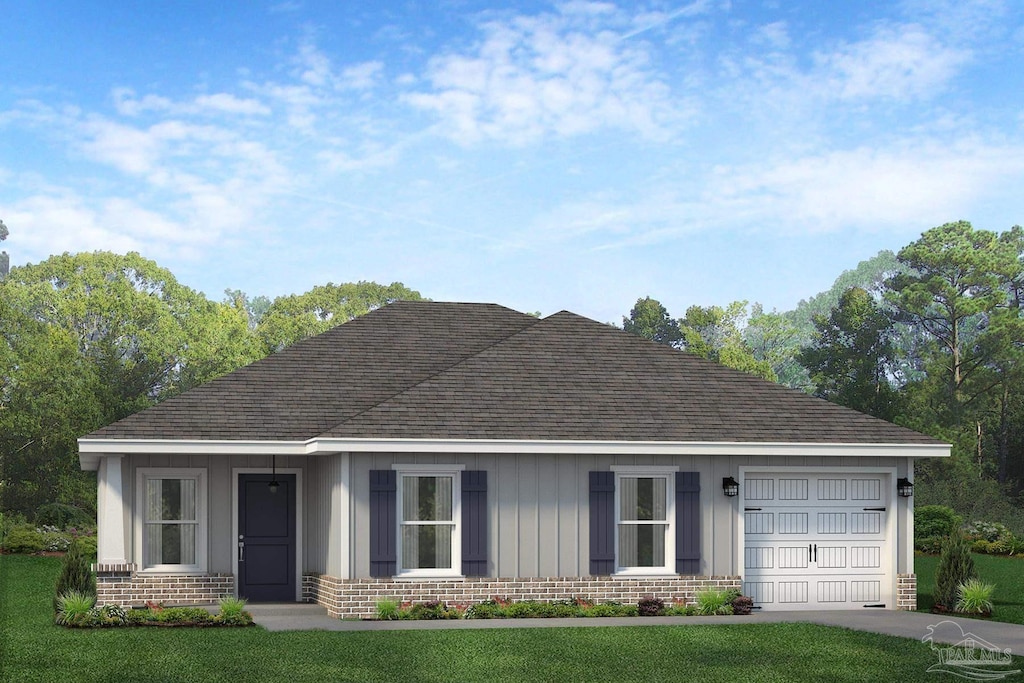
{"type": "Point", "coordinates": [915, 625]}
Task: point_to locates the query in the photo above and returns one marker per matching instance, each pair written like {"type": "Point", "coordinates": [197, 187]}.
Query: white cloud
{"type": "Point", "coordinates": [865, 189]}
{"type": "Point", "coordinates": [361, 76]}
{"type": "Point", "coordinates": [534, 77]}
{"type": "Point", "coordinates": [903, 62]}
{"type": "Point", "coordinates": [127, 103]}
{"type": "Point", "coordinates": [229, 104]}
{"type": "Point", "coordinates": [870, 188]}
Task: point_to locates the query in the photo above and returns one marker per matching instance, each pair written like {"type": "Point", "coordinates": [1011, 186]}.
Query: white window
{"type": "Point", "coordinates": [429, 538]}
{"type": "Point", "coordinates": [644, 514]}
{"type": "Point", "coordinates": [171, 533]}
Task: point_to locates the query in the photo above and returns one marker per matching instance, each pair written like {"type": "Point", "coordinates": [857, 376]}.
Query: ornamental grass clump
{"type": "Point", "coordinates": [713, 601]}
{"type": "Point", "coordinates": [74, 608]}
{"type": "Point", "coordinates": [232, 611]}
{"type": "Point", "coordinates": [956, 567]}
{"type": "Point", "coordinates": [387, 610]}
{"type": "Point", "coordinates": [975, 597]}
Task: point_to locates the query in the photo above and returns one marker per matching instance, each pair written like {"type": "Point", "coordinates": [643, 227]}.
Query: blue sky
{"type": "Point", "coordinates": [545, 156]}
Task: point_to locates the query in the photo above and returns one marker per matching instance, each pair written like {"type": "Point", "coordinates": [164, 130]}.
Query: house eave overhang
{"type": "Point", "coordinates": [91, 450]}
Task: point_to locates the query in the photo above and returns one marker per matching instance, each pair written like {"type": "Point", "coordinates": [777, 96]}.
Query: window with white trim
{"type": "Point", "coordinates": [172, 515]}
{"type": "Point", "coordinates": [429, 541]}
{"type": "Point", "coordinates": [644, 514]}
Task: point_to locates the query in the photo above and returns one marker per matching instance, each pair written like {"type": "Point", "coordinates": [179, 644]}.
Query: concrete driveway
{"type": "Point", "coordinates": [914, 625]}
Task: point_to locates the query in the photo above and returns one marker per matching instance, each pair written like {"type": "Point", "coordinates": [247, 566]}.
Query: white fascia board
{"type": "Point", "coordinates": [325, 445]}
{"type": "Point", "coordinates": [90, 450]}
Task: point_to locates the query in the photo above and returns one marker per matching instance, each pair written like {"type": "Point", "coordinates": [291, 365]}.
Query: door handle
{"type": "Point", "coordinates": [241, 551]}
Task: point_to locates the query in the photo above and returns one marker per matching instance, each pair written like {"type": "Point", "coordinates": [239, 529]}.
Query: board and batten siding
{"type": "Point", "coordinates": [538, 514]}
{"type": "Point", "coordinates": [326, 515]}
{"type": "Point", "coordinates": [538, 505]}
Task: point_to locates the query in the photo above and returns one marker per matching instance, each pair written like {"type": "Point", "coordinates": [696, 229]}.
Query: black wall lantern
{"type": "Point", "coordinates": [904, 487]}
{"type": "Point", "coordinates": [273, 485]}
{"type": "Point", "coordinates": [730, 486]}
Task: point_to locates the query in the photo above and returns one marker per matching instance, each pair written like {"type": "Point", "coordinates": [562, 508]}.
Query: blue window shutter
{"type": "Point", "coordinates": [383, 508]}
{"type": "Point", "coordinates": [602, 523]}
{"type": "Point", "coordinates": [474, 523]}
{"type": "Point", "coordinates": [688, 523]}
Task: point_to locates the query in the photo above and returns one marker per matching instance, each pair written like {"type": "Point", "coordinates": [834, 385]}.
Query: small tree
{"type": "Point", "coordinates": [956, 567]}
{"type": "Point", "coordinates": [75, 574]}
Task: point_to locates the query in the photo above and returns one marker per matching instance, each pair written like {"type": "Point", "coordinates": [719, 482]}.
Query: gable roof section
{"type": "Point", "coordinates": [308, 387]}
{"type": "Point", "coordinates": [444, 371]}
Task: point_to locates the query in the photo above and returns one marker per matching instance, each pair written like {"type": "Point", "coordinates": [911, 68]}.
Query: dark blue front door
{"type": "Point", "coordinates": [266, 538]}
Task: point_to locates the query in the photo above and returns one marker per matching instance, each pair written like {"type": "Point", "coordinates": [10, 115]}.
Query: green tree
{"type": "Point", "coordinates": [49, 397]}
{"type": "Point", "coordinates": [651, 320]}
{"type": "Point", "coordinates": [297, 316]}
{"type": "Point", "coordinates": [850, 358]}
{"type": "Point", "coordinates": [716, 333]}
{"type": "Point", "coordinates": [255, 307]}
{"type": "Point", "coordinates": [954, 279]}
{"type": "Point", "coordinates": [5, 260]}
{"type": "Point", "coordinates": [88, 339]}
{"type": "Point", "coordinates": [773, 338]}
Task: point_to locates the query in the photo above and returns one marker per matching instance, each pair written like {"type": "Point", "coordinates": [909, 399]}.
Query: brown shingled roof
{"type": "Point", "coordinates": [426, 370]}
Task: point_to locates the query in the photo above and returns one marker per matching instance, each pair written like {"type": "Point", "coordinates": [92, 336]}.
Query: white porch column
{"type": "Point", "coordinates": [110, 512]}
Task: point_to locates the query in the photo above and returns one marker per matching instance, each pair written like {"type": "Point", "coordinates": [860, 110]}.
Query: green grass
{"type": "Point", "coordinates": [1004, 572]}
{"type": "Point", "coordinates": [33, 649]}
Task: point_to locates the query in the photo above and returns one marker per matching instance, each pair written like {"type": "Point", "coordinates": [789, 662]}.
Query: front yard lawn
{"type": "Point", "coordinates": [33, 649]}
{"type": "Point", "coordinates": [1001, 570]}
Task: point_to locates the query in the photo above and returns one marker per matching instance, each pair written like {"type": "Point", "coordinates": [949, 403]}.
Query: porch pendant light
{"type": "Point", "coordinates": [273, 485]}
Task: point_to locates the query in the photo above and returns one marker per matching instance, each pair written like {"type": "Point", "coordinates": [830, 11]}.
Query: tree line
{"type": "Point", "coordinates": [931, 337]}
{"type": "Point", "coordinates": [90, 338]}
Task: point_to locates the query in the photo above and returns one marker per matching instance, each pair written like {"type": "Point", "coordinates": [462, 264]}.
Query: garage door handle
{"type": "Point", "coordinates": [875, 509]}
{"type": "Point", "coordinates": [751, 509]}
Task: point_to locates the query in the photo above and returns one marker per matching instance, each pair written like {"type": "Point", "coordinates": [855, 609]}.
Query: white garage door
{"type": "Point", "coordinates": [817, 541]}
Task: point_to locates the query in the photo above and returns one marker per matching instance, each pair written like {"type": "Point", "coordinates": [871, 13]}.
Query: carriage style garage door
{"type": "Point", "coordinates": [817, 541]}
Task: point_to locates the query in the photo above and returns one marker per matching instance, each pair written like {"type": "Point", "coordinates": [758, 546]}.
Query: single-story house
{"type": "Point", "coordinates": [464, 451]}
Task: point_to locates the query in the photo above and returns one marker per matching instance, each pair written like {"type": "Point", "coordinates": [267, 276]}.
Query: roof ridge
{"type": "Point", "coordinates": [530, 325]}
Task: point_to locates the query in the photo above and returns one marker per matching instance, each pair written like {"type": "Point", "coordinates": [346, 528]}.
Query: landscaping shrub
{"type": "Point", "coordinates": [935, 520]}
{"type": "Point", "coordinates": [742, 604]}
{"type": "Point", "coordinates": [434, 609]}
{"type": "Point", "coordinates": [987, 531]}
{"type": "Point", "coordinates": [955, 568]}
{"type": "Point", "coordinates": [54, 540]}
{"type": "Point", "coordinates": [650, 606]}
{"type": "Point", "coordinates": [932, 525]}
{"type": "Point", "coordinates": [24, 539]}
{"type": "Point", "coordinates": [610, 609]}
{"type": "Point", "coordinates": [75, 574]}
{"type": "Point", "coordinates": [488, 609]}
